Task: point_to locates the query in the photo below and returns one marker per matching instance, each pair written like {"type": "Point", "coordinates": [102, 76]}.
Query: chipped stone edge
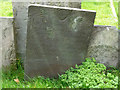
{"type": "Point", "coordinates": [68, 8]}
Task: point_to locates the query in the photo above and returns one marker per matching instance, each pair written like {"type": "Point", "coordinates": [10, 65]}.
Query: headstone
{"type": "Point", "coordinates": [7, 47]}
{"type": "Point", "coordinates": [104, 45]}
{"type": "Point", "coordinates": [119, 15]}
{"type": "Point", "coordinates": [57, 39]}
{"type": "Point", "coordinates": [20, 13]}
{"type": "Point", "coordinates": [0, 46]}
{"type": "Point", "coordinates": [119, 34]}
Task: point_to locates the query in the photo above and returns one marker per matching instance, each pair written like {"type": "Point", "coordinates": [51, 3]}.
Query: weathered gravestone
{"type": "Point", "coordinates": [20, 8]}
{"type": "Point", "coordinates": [0, 58]}
{"type": "Point", "coordinates": [57, 38]}
{"type": "Point", "coordinates": [104, 45]}
{"type": "Point", "coordinates": [7, 47]}
{"type": "Point", "coordinates": [0, 47]}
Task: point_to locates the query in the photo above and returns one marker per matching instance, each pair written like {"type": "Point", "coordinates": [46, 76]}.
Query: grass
{"type": "Point", "coordinates": [14, 78]}
{"type": "Point", "coordinates": [6, 9]}
{"type": "Point", "coordinates": [104, 14]}
{"type": "Point", "coordinates": [17, 72]}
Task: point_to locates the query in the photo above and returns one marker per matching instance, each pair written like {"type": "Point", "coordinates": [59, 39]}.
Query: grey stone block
{"type": "Point", "coordinates": [104, 45]}
{"type": "Point", "coordinates": [0, 46]}
{"type": "Point", "coordinates": [20, 20]}
{"type": "Point", "coordinates": [7, 50]}
{"type": "Point", "coordinates": [57, 39]}
{"type": "Point", "coordinates": [20, 25]}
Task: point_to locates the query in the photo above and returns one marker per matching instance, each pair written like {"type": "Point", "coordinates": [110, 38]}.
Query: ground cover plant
{"type": "Point", "coordinates": [88, 75]}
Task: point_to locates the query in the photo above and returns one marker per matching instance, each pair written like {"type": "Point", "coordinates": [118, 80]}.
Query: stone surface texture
{"type": "Point", "coordinates": [104, 45]}
{"type": "Point", "coordinates": [21, 15]}
{"type": "Point", "coordinates": [57, 38]}
{"type": "Point", "coordinates": [0, 54]}
{"type": "Point", "coordinates": [7, 50]}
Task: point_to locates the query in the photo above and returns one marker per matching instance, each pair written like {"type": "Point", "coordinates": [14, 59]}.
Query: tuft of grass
{"type": "Point", "coordinates": [16, 71]}
{"type": "Point", "coordinates": [6, 9]}
{"type": "Point", "coordinates": [88, 75]}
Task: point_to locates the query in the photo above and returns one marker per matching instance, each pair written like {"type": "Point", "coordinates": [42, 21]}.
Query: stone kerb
{"type": "Point", "coordinates": [7, 46]}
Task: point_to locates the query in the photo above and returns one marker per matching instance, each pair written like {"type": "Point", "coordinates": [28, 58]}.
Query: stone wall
{"type": "Point", "coordinates": [7, 49]}
{"type": "Point", "coordinates": [104, 45]}
{"type": "Point", "coordinates": [20, 11]}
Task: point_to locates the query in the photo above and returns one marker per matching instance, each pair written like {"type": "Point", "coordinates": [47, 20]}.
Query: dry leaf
{"type": "Point", "coordinates": [16, 80]}
{"type": "Point", "coordinates": [17, 59]}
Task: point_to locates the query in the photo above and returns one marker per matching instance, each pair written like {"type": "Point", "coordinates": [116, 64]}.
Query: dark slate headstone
{"type": "Point", "coordinates": [57, 39]}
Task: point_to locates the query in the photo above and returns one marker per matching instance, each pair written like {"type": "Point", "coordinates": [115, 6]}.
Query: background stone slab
{"type": "Point", "coordinates": [57, 38]}
{"type": "Point", "coordinates": [7, 50]}
{"type": "Point", "coordinates": [20, 12]}
{"type": "Point", "coordinates": [104, 45]}
{"type": "Point", "coordinates": [0, 45]}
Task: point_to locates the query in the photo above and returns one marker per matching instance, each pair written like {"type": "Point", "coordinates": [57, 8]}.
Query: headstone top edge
{"type": "Point", "coordinates": [103, 26]}
{"type": "Point", "coordinates": [106, 26]}
{"type": "Point", "coordinates": [57, 7]}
